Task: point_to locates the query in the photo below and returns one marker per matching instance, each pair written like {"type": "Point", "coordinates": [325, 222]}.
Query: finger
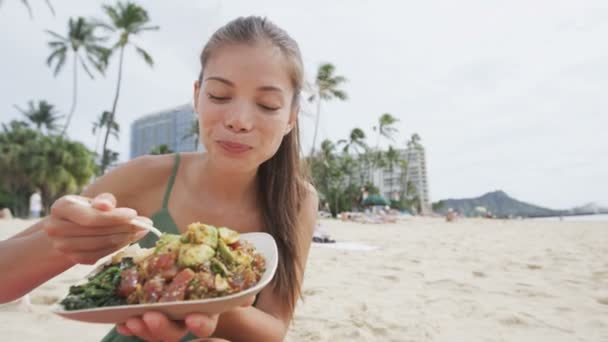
{"type": "Point", "coordinates": [105, 201]}
{"type": "Point", "coordinates": [201, 325]}
{"type": "Point", "coordinates": [139, 329]}
{"type": "Point", "coordinates": [96, 243]}
{"type": "Point", "coordinates": [57, 227]}
{"type": "Point", "coordinates": [160, 326]}
{"type": "Point", "coordinates": [249, 301]}
{"type": "Point", "coordinates": [123, 330]}
{"type": "Point", "coordinates": [87, 216]}
{"type": "Point", "coordinates": [90, 258]}
{"type": "Point", "coordinates": [145, 219]}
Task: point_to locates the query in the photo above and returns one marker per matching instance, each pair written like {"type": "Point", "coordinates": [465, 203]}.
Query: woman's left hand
{"type": "Point", "coordinates": [155, 326]}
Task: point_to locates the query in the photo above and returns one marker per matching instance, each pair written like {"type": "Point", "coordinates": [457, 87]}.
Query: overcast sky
{"type": "Point", "coordinates": [506, 95]}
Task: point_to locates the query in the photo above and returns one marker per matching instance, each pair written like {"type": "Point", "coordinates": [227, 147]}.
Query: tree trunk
{"type": "Point", "coordinates": [74, 96]}
{"type": "Point", "coordinates": [314, 138]}
{"type": "Point", "coordinates": [104, 162]}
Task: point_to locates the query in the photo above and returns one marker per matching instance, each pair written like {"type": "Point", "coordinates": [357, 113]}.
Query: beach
{"type": "Point", "coordinates": [421, 279]}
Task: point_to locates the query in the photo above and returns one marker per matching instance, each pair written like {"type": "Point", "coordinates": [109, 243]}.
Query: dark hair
{"type": "Point", "coordinates": [282, 180]}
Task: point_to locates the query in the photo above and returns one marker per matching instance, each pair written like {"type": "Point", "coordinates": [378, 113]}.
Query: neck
{"type": "Point", "coordinates": [226, 186]}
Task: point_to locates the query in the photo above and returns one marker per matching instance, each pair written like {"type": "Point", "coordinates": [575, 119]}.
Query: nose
{"type": "Point", "coordinates": [240, 120]}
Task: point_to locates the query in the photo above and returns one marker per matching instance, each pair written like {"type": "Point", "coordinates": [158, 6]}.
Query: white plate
{"type": "Point", "coordinates": [265, 245]}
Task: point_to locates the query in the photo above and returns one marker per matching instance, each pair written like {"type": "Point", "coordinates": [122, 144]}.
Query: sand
{"type": "Point", "coordinates": [421, 279]}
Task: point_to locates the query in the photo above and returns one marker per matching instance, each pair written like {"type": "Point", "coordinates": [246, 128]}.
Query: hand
{"type": "Point", "coordinates": [86, 234]}
{"type": "Point", "coordinates": [155, 326]}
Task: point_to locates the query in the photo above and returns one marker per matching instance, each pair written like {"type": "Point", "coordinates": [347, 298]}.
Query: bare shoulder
{"type": "Point", "coordinates": [134, 180]}
{"type": "Point", "coordinates": [309, 209]}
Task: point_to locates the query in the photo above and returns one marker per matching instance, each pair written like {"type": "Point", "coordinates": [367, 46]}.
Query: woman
{"type": "Point", "coordinates": [246, 99]}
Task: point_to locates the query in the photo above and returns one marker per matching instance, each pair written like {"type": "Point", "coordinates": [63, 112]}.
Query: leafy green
{"type": "Point", "coordinates": [100, 290]}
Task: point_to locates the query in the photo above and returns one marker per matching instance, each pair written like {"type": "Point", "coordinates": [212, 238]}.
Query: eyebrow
{"type": "Point", "coordinates": [229, 83]}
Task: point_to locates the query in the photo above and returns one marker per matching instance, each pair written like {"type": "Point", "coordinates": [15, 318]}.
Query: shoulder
{"type": "Point", "coordinates": [309, 208]}
{"type": "Point", "coordinates": [134, 179]}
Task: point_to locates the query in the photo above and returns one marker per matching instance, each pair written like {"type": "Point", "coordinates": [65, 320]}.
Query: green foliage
{"type": "Point", "coordinates": [342, 171]}
{"type": "Point", "coordinates": [30, 160]}
{"type": "Point", "coordinates": [161, 149]}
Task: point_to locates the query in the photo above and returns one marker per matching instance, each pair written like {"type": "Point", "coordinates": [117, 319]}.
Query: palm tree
{"type": "Point", "coordinates": [392, 158]}
{"type": "Point", "coordinates": [41, 115]}
{"type": "Point", "coordinates": [126, 20]}
{"type": "Point", "coordinates": [355, 140]}
{"type": "Point", "coordinates": [30, 160]}
{"type": "Point", "coordinates": [386, 127]}
{"type": "Point", "coordinates": [84, 45]}
{"type": "Point", "coordinates": [102, 122]}
{"type": "Point", "coordinates": [193, 133]}
{"type": "Point", "coordinates": [325, 89]}
{"type": "Point", "coordinates": [161, 149]}
{"type": "Point", "coordinates": [109, 158]}
{"type": "Point", "coordinates": [26, 3]}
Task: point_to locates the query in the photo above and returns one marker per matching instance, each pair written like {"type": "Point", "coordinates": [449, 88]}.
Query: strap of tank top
{"type": "Point", "coordinates": [171, 181]}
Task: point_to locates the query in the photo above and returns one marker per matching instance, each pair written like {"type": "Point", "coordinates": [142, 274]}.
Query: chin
{"type": "Point", "coordinates": [232, 163]}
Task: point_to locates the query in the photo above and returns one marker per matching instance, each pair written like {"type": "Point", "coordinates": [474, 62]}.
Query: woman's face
{"type": "Point", "coordinates": [244, 104]}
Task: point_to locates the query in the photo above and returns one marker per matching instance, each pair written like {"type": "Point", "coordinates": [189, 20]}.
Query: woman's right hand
{"type": "Point", "coordinates": [86, 234]}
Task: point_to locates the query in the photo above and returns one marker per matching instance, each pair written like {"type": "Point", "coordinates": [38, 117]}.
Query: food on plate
{"type": "Point", "coordinates": [203, 262]}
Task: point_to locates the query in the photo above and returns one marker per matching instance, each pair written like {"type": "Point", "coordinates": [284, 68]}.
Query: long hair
{"type": "Point", "coordinates": [282, 180]}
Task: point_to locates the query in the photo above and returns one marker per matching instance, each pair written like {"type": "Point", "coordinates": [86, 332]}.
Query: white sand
{"type": "Point", "coordinates": [473, 280]}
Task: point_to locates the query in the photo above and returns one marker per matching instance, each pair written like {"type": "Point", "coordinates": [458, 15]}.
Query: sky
{"type": "Point", "coordinates": [506, 95]}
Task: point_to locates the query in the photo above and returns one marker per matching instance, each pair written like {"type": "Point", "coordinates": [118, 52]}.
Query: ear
{"type": "Point", "coordinates": [293, 119]}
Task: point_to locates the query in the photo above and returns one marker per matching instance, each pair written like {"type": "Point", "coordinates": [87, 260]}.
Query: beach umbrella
{"type": "Point", "coordinates": [375, 200]}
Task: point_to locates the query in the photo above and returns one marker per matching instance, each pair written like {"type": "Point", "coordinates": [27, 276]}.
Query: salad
{"type": "Point", "coordinates": [203, 262]}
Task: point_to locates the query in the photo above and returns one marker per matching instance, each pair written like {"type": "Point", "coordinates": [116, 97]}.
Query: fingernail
{"type": "Point", "coordinates": [128, 212]}
{"type": "Point", "coordinates": [140, 235]}
{"type": "Point", "coordinates": [101, 201]}
{"type": "Point", "coordinates": [147, 220]}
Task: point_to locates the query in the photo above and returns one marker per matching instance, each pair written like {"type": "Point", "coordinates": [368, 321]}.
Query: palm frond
{"type": "Point", "coordinates": [146, 28]}
{"type": "Point", "coordinates": [29, 8]}
{"type": "Point", "coordinates": [60, 63]}
{"type": "Point", "coordinates": [84, 66]}
{"type": "Point", "coordinates": [57, 35]}
{"type": "Point", "coordinates": [56, 53]}
{"type": "Point", "coordinates": [339, 94]}
{"type": "Point", "coordinates": [50, 6]}
{"type": "Point", "coordinates": [146, 56]}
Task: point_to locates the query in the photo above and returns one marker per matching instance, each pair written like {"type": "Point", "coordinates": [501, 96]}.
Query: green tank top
{"type": "Point", "coordinates": [162, 220]}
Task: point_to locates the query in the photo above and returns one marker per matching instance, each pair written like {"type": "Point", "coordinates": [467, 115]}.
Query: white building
{"type": "Point", "coordinates": [391, 183]}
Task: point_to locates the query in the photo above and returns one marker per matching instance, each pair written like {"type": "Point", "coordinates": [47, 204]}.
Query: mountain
{"type": "Point", "coordinates": [589, 208]}
{"type": "Point", "coordinates": [498, 203]}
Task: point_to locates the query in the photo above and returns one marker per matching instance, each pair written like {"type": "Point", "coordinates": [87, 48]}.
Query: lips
{"type": "Point", "coordinates": [233, 147]}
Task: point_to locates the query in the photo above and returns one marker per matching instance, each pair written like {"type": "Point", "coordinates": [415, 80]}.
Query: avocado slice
{"type": "Point", "coordinates": [226, 253]}
{"type": "Point", "coordinates": [220, 283]}
{"type": "Point", "coordinates": [199, 233]}
{"type": "Point", "coordinates": [168, 243]}
{"type": "Point", "coordinates": [193, 255]}
{"type": "Point", "coordinates": [228, 235]}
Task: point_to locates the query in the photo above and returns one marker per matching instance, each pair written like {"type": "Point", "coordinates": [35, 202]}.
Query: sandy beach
{"type": "Point", "coordinates": [421, 279]}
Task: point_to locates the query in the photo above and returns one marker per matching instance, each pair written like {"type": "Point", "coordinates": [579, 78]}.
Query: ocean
{"type": "Point", "coordinates": [597, 217]}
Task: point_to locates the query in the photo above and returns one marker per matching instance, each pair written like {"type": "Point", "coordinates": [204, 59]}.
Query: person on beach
{"type": "Point", "coordinates": [35, 204]}
{"type": "Point", "coordinates": [249, 179]}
